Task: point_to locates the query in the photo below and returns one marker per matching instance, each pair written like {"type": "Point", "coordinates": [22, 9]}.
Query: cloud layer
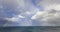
{"type": "Point", "coordinates": [31, 12]}
{"type": "Point", "coordinates": [51, 14]}
{"type": "Point", "coordinates": [16, 11]}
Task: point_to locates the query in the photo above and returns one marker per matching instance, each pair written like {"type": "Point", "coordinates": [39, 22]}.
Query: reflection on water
{"type": "Point", "coordinates": [30, 29]}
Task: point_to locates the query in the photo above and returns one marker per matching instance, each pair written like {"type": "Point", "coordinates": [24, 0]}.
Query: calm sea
{"type": "Point", "coordinates": [30, 29]}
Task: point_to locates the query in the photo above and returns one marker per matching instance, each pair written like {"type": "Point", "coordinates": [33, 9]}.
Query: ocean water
{"type": "Point", "coordinates": [30, 29]}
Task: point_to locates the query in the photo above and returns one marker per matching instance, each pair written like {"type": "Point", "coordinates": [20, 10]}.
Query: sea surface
{"type": "Point", "coordinates": [30, 29]}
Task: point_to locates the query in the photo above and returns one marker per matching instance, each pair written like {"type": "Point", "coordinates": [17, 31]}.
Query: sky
{"type": "Point", "coordinates": [29, 13]}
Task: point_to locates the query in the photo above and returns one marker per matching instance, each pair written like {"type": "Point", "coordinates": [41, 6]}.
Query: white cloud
{"type": "Point", "coordinates": [48, 18]}
{"type": "Point", "coordinates": [15, 18]}
{"type": "Point", "coordinates": [53, 6]}
{"type": "Point", "coordinates": [51, 14]}
{"type": "Point", "coordinates": [28, 12]}
{"type": "Point", "coordinates": [37, 14]}
{"type": "Point", "coordinates": [49, 2]}
{"type": "Point", "coordinates": [19, 16]}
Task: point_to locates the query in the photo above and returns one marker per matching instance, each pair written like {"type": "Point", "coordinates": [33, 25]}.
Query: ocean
{"type": "Point", "coordinates": [30, 29]}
